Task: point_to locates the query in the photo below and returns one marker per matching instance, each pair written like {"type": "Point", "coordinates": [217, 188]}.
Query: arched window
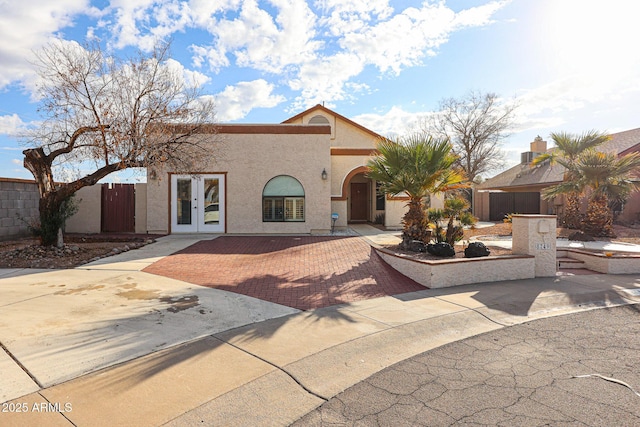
{"type": "Point", "coordinates": [319, 120]}
{"type": "Point", "coordinates": [283, 199]}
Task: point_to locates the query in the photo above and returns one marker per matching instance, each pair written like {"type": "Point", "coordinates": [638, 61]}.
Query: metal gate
{"type": "Point", "coordinates": [118, 208]}
{"type": "Point", "coordinates": [501, 204]}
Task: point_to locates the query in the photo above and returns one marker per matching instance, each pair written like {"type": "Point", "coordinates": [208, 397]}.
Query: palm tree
{"type": "Point", "coordinates": [416, 165]}
{"type": "Point", "coordinates": [566, 152]}
{"type": "Point", "coordinates": [609, 177]}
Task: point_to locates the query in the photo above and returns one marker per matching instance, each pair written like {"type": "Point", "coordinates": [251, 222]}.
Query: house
{"type": "Point", "coordinates": [290, 177]}
{"type": "Point", "coordinates": [517, 190]}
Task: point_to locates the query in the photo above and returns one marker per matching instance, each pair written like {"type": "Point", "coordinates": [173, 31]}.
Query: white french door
{"type": "Point", "coordinates": [197, 203]}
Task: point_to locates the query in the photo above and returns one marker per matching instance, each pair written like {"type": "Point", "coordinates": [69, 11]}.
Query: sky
{"type": "Point", "coordinates": [572, 65]}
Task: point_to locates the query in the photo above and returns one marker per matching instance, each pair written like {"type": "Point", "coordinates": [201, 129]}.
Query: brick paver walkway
{"type": "Point", "coordinates": [301, 272]}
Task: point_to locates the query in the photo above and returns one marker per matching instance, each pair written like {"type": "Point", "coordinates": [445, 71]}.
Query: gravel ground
{"type": "Point", "coordinates": [78, 250]}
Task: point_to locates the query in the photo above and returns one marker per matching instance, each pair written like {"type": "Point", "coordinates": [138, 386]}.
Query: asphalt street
{"type": "Point", "coordinates": [577, 369]}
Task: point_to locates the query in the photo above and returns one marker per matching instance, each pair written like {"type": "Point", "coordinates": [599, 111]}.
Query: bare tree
{"type": "Point", "coordinates": [476, 124]}
{"type": "Point", "coordinates": [110, 114]}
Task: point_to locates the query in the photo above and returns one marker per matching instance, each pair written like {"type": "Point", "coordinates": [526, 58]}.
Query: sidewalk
{"type": "Point", "coordinates": [152, 358]}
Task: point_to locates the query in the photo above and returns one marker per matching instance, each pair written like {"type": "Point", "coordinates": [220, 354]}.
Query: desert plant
{"type": "Point", "coordinates": [51, 225]}
{"type": "Point", "coordinates": [416, 166]}
{"type": "Point", "coordinates": [456, 214]}
{"type": "Point", "coordinates": [609, 177]}
{"type": "Point", "coordinates": [508, 218]}
{"type": "Point", "coordinates": [379, 219]}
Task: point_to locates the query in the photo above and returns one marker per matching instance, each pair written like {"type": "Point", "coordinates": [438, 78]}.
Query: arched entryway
{"type": "Point", "coordinates": [359, 191]}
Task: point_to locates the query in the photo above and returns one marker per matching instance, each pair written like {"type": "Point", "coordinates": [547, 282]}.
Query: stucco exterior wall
{"type": "Point", "coordinates": [341, 166]}
{"type": "Point", "coordinates": [158, 203]}
{"type": "Point", "coordinates": [249, 162]}
{"type": "Point", "coordinates": [631, 212]}
{"type": "Point", "coordinates": [88, 218]}
{"type": "Point", "coordinates": [343, 133]}
{"type": "Point", "coordinates": [141, 208]}
{"type": "Point", "coordinates": [340, 207]}
{"type": "Point", "coordinates": [348, 136]}
{"type": "Point", "coordinates": [395, 210]}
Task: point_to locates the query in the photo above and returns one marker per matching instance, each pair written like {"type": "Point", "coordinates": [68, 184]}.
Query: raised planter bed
{"type": "Point", "coordinates": [461, 271]}
{"type": "Point", "coordinates": [605, 261]}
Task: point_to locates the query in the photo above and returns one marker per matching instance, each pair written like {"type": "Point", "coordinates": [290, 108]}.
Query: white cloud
{"type": "Point", "coordinates": [403, 40]}
{"type": "Point", "coordinates": [235, 102]}
{"type": "Point", "coordinates": [17, 162]}
{"type": "Point", "coordinates": [191, 78]}
{"type": "Point", "coordinates": [260, 41]}
{"type": "Point", "coordinates": [11, 125]}
{"type": "Point", "coordinates": [345, 16]}
{"type": "Point", "coordinates": [549, 105]}
{"type": "Point", "coordinates": [142, 23]}
{"type": "Point", "coordinates": [216, 58]}
{"type": "Point", "coordinates": [379, 38]}
{"type": "Point", "coordinates": [24, 28]}
{"type": "Point", "coordinates": [394, 122]}
{"type": "Point", "coordinates": [408, 37]}
{"type": "Point", "coordinates": [480, 15]}
{"type": "Point", "coordinates": [203, 11]}
{"type": "Point", "coordinates": [318, 53]}
{"type": "Point", "coordinates": [324, 80]}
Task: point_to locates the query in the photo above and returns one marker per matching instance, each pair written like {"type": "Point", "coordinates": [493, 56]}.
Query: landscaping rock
{"type": "Point", "coordinates": [441, 249]}
{"type": "Point", "coordinates": [476, 250]}
{"type": "Point", "coordinates": [579, 236]}
{"type": "Point", "coordinates": [417, 246]}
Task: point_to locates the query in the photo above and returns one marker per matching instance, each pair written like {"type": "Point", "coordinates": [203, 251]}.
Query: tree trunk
{"type": "Point", "coordinates": [415, 224]}
{"type": "Point", "coordinates": [599, 218]}
{"type": "Point", "coordinates": [572, 216]}
{"type": "Point", "coordinates": [39, 165]}
{"type": "Point", "coordinates": [51, 220]}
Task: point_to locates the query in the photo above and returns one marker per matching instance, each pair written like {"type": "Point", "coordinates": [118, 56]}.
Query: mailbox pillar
{"type": "Point", "coordinates": [536, 235]}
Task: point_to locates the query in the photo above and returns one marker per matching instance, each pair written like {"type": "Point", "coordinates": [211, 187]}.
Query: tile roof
{"type": "Point", "coordinates": [525, 175]}
{"type": "Point", "coordinates": [623, 142]}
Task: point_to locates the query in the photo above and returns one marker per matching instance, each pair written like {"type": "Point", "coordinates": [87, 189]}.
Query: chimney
{"type": "Point", "coordinates": [538, 145]}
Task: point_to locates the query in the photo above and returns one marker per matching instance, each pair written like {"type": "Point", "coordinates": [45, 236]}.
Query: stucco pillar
{"type": "Point", "coordinates": [536, 235]}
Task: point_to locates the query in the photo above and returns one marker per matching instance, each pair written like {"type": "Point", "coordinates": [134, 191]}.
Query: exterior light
{"type": "Point", "coordinates": [324, 174]}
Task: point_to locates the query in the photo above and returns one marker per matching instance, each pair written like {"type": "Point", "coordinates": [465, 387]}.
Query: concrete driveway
{"type": "Point", "coordinates": [65, 323]}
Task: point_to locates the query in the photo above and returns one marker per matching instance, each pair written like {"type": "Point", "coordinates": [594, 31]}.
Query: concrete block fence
{"type": "Point", "coordinates": [18, 199]}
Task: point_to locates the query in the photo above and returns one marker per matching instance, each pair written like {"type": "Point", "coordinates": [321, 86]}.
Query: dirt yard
{"type": "Point", "coordinates": [78, 250]}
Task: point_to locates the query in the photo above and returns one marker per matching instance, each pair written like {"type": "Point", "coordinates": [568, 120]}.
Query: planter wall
{"type": "Point", "coordinates": [616, 264]}
{"type": "Point", "coordinates": [461, 271]}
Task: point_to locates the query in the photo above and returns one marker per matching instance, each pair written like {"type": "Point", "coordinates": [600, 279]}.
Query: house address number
{"type": "Point", "coordinates": [543, 246]}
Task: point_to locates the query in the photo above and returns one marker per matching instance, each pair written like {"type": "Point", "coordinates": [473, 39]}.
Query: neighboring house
{"type": "Point", "coordinates": [276, 178]}
{"type": "Point", "coordinates": [517, 190]}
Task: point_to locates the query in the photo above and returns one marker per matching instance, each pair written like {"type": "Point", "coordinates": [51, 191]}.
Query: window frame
{"type": "Point", "coordinates": [279, 202]}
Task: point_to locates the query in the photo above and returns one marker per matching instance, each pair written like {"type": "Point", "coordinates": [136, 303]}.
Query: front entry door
{"type": "Point", "coordinates": [197, 203]}
{"type": "Point", "coordinates": [359, 200]}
